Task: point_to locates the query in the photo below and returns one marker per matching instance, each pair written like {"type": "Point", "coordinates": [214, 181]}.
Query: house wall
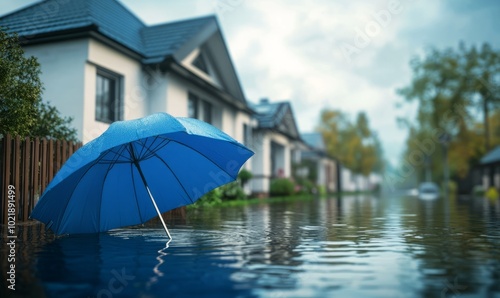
{"type": "Point", "coordinates": [156, 90]}
{"type": "Point", "coordinates": [63, 68]}
{"type": "Point", "coordinates": [327, 174]}
{"type": "Point", "coordinates": [348, 180]}
{"type": "Point", "coordinates": [134, 86]}
{"type": "Point", "coordinates": [262, 161]}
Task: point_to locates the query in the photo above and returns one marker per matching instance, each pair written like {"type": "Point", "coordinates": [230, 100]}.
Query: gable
{"type": "Point", "coordinates": [287, 124]}
{"type": "Point", "coordinates": [211, 53]}
{"type": "Point", "coordinates": [277, 116]}
{"type": "Point", "coordinates": [199, 61]}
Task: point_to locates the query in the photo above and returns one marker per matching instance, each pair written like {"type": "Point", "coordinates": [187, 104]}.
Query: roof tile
{"type": "Point", "coordinates": [112, 19]}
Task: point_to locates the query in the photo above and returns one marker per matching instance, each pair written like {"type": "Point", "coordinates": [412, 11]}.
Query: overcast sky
{"type": "Point", "coordinates": [343, 54]}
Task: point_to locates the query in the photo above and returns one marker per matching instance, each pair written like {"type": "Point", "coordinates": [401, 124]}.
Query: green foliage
{"type": "Point", "coordinates": [309, 164]}
{"type": "Point", "coordinates": [230, 191]}
{"type": "Point", "coordinates": [51, 124]}
{"type": "Point", "coordinates": [244, 176]}
{"type": "Point", "coordinates": [282, 187]}
{"type": "Point", "coordinates": [322, 191]}
{"type": "Point", "coordinates": [22, 112]}
{"type": "Point", "coordinates": [355, 145]}
{"type": "Point", "coordinates": [20, 87]}
{"type": "Point", "coordinates": [305, 186]}
{"type": "Point", "coordinates": [211, 198]}
{"type": "Point", "coordinates": [492, 193]}
{"type": "Point", "coordinates": [452, 87]}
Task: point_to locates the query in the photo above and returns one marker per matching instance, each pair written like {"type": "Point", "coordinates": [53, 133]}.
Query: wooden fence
{"type": "Point", "coordinates": [29, 165]}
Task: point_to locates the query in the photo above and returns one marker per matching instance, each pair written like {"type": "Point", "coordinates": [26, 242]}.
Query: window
{"type": "Point", "coordinates": [199, 109]}
{"type": "Point", "coordinates": [200, 63]}
{"type": "Point", "coordinates": [246, 134]}
{"type": "Point", "coordinates": [207, 112]}
{"type": "Point", "coordinates": [192, 106]}
{"type": "Point", "coordinates": [108, 107]}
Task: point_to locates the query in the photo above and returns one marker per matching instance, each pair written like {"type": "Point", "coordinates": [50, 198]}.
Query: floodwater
{"type": "Point", "coordinates": [360, 246]}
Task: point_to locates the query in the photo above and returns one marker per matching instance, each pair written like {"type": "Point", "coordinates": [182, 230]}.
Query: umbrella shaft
{"type": "Point", "coordinates": [151, 197]}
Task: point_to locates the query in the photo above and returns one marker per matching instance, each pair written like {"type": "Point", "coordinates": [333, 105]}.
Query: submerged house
{"type": "Point", "coordinates": [100, 63]}
{"type": "Point", "coordinates": [276, 142]}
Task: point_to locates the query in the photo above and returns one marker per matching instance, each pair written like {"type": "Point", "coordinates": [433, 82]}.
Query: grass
{"type": "Point", "coordinates": [270, 200]}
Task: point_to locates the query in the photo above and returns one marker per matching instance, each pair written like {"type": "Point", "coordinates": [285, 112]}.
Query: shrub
{"type": "Point", "coordinates": [211, 198]}
{"type": "Point", "coordinates": [322, 191]}
{"type": "Point", "coordinates": [232, 191]}
{"type": "Point", "coordinates": [306, 186]}
{"type": "Point", "coordinates": [491, 193]}
{"type": "Point", "coordinates": [282, 187]}
{"type": "Point", "coordinates": [245, 176]}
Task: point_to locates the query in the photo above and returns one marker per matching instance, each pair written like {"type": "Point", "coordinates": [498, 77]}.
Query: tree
{"type": "Point", "coordinates": [355, 145]}
{"type": "Point", "coordinates": [22, 112]}
{"type": "Point", "coordinates": [450, 86]}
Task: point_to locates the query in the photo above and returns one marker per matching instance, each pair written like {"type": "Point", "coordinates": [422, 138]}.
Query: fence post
{"type": "Point", "coordinates": [17, 172]}
{"type": "Point", "coordinates": [26, 195]}
{"type": "Point", "coordinates": [7, 149]}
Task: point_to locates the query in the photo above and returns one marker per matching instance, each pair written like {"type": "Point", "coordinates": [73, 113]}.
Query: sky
{"type": "Point", "coordinates": [343, 54]}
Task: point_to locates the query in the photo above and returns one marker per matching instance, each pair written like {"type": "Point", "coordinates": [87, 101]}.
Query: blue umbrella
{"type": "Point", "coordinates": [110, 181]}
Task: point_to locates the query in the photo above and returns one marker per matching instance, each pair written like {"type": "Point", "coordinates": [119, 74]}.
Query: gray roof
{"type": "Point", "coordinates": [276, 115]}
{"type": "Point", "coordinates": [107, 17]}
{"type": "Point", "coordinates": [314, 140]}
{"type": "Point", "coordinates": [492, 156]}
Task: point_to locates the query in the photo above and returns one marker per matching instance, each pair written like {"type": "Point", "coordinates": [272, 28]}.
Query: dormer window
{"type": "Point", "coordinates": [201, 63]}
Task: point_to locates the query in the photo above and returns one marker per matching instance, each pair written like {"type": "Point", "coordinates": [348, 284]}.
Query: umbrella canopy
{"type": "Point", "coordinates": [110, 182]}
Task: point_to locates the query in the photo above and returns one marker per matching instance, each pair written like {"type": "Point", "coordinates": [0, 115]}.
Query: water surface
{"type": "Point", "coordinates": [359, 246]}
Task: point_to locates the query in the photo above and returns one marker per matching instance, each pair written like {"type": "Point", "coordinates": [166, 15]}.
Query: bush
{"type": "Point", "coordinates": [491, 193]}
{"type": "Point", "coordinates": [245, 176]}
{"type": "Point", "coordinates": [282, 187]}
{"type": "Point", "coordinates": [213, 197]}
{"type": "Point", "coordinates": [232, 191]}
{"type": "Point", "coordinates": [306, 186]}
{"type": "Point", "coordinates": [322, 191]}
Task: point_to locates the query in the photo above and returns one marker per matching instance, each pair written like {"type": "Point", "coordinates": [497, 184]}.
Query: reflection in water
{"type": "Point", "coordinates": [359, 246]}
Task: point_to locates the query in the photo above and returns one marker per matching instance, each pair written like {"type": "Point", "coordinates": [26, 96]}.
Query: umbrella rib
{"type": "Point", "coordinates": [111, 165]}
{"type": "Point", "coordinates": [151, 151]}
{"type": "Point", "coordinates": [175, 176]}
{"type": "Point", "coordinates": [119, 153]}
{"type": "Point", "coordinates": [73, 190]}
{"type": "Point", "coordinates": [143, 144]}
{"type": "Point", "coordinates": [135, 191]}
{"type": "Point", "coordinates": [197, 151]}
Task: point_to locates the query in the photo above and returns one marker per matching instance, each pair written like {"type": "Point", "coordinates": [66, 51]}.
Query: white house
{"type": "Point", "coordinates": [100, 63]}
{"type": "Point", "coordinates": [324, 165]}
{"type": "Point", "coordinates": [276, 142]}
